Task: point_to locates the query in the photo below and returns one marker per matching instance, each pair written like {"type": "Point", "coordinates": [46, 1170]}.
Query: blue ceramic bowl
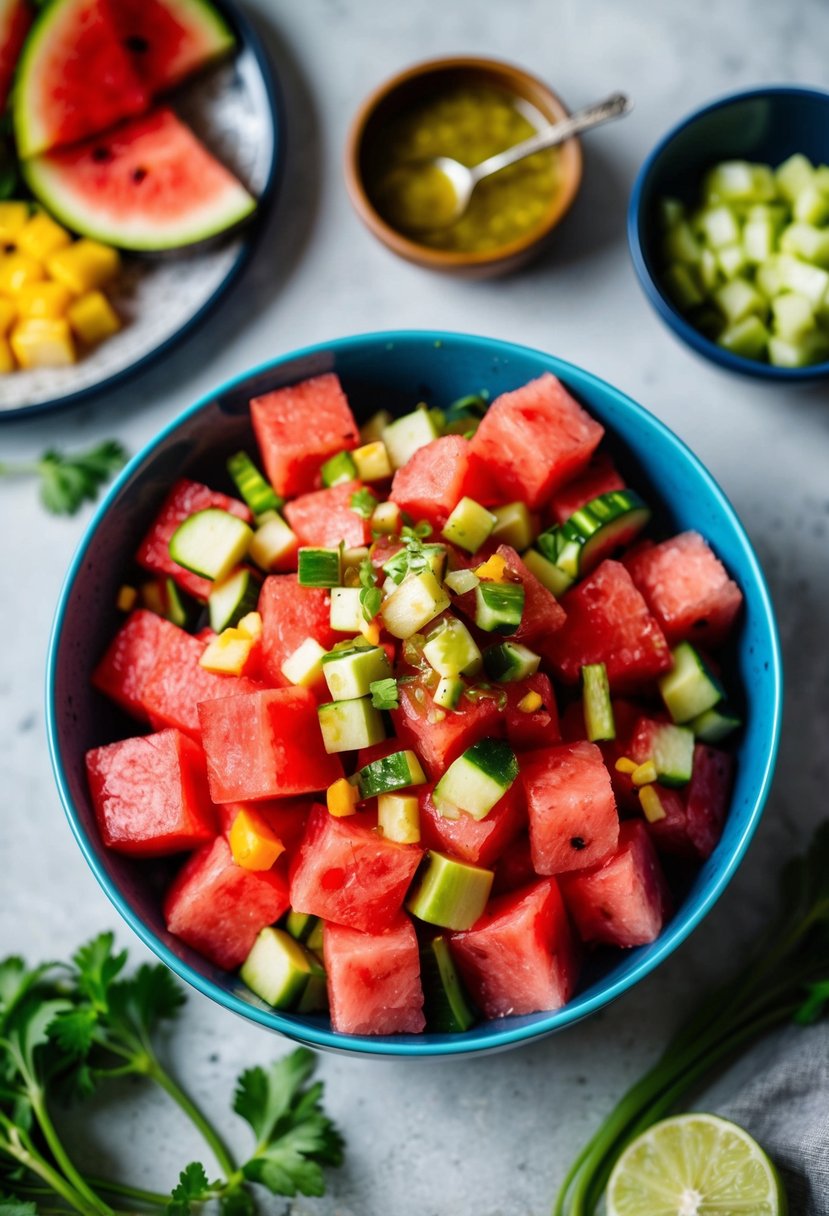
{"type": "Point", "coordinates": [765, 124]}
{"type": "Point", "coordinates": [395, 371]}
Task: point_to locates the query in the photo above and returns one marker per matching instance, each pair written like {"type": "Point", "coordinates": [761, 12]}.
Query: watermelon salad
{"type": "Point", "coordinates": [430, 708]}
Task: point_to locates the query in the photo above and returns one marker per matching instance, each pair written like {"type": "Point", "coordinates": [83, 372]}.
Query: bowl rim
{"type": "Point", "coordinates": [446, 259]}
{"type": "Point", "coordinates": [663, 305]}
{"type": "Point", "coordinates": [497, 1037]}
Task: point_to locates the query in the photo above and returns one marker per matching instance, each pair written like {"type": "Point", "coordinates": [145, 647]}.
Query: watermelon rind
{"type": "Point", "coordinates": [214, 33]}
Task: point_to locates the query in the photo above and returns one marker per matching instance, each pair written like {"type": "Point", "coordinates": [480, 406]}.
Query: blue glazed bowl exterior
{"type": "Point", "coordinates": [765, 124]}
{"type": "Point", "coordinates": [395, 370]}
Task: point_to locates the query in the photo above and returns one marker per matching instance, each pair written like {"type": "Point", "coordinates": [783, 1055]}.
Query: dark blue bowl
{"type": "Point", "coordinates": [765, 124]}
{"type": "Point", "coordinates": [395, 371]}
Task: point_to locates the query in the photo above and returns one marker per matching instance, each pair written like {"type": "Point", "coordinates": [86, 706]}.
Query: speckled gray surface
{"type": "Point", "coordinates": [488, 1137]}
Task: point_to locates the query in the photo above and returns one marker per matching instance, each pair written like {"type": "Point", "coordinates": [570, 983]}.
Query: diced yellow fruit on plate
{"type": "Point", "coordinates": [342, 798]}
{"type": "Point", "coordinates": [7, 363]}
{"type": "Point", "coordinates": [227, 654]}
{"type": "Point", "coordinates": [93, 318]}
{"type": "Point", "coordinates": [12, 218]}
{"type": "Point", "coordinates": [43, 343]}
{"type": "Point", "coordinates": [17, 270]}
{"type": "Point", "coordinates": [41, 236]}
{"type": "Point", "coordinates": [8, 315]}
{"type": "Point", "coordinates": [45, 300]}
{"type": "Point", "coordinates": [125, 601]}
{"type": "Point", "coordinates": [84, 266]}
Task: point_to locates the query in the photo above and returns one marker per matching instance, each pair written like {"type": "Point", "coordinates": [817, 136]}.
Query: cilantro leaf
{"type": "Point", "coordinates": [11, 1206]}
{"type": "Point", "coordinates": [192, 1187]}
{"type": "Point", "coordinates": [815, 1005]}
{"type": "Point", "coordinates": [96, 967]}
{"type": "Point", "coordinates": [67, 481]}
{"type": "Point", "coordinates": [371, 597]}
{"type": "Point", "coordinates": [363, 502]}
{"type": "Point", "coordinates": [384, 694]}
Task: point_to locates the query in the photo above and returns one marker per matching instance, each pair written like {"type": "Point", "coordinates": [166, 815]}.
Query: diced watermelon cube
{"type": "Point", "coordinates": [129, 659]}
{"type": "Point", "coordinates": [347, 873]}
{"type": "Point", "coordinates": [624, 901]}
{"type": "Point", "coordinates": [218, 908]}
{"type": "Point", "coordinates": [287, 817]}
{"type": "Point", "coordinates": [325, 518]}
{"type": "Point", "coordinates": [609, 622]}
{"type": "Point", "coordinates": [520, 957]}
{"type": "Point", "coordinates": [374, 979]}
{"type": "Point", "coordinates": [299, 427]}
{"type": "Point", "coordinates": [478, 841]}
{"type": "Point", "coordinates": [536, 728]}
{"type": "Point", "coordinates": [514, 868]}
{"type": "Point", "coordinates": [177, 684]}
{"type": "Point", "coordinates": [535, 439]}
{"type": "Point", "coordinates": [185, 499]}
{"type": "Point", "coordinates": [150, 794]}
{"type": "Point", "coordinates": [573, 818]}
{"type": "Point", "coordinates": [625, 716]}
{"type": "Point", "coordinates": [265, 744]}
{"type": "Point", "coordinates": [694, 816]}
{"type": "Point", "coordinates": [687, 589]}
{"type": "Point", "coordinates": [542, 614]}
{"type": "Point", "coordinates": [600, 477]}
{"type": "Point", "coordinates": [434, 480]}
{"type": "Point", "coordinates": [290, 614]}
{"type": "Point", "coordinates": [438, 741]}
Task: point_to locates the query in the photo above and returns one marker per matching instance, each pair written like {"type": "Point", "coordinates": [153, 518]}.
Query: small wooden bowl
{"type": "Point", "coordinates": [433, 75]}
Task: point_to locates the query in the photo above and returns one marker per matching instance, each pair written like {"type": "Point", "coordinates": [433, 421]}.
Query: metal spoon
{"type": "Point", "coordinates": [464, 179]}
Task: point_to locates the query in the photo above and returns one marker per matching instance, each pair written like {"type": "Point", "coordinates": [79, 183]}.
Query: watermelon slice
{"type": "Point", "coordinates": [440, 740]}
{"type": "Point", "coordinates": [600, 477]}
{"type": "Point", "coordinates": [15, 22]}
{"type": "Point", "coordinates": [325, 518]}
{"type": "Point", "coordinates": [129, 660]}
{"type": "Point", "coordinates": [478, 841]}
{"type": "Point", "coordinates": [520, 957]}
{"type": "Point", "coordinates": [573, 817]}
{"type": "Point", "coordinates": [374, 980]}
{"type": "Point", "coordinates": [177, 683]}
{"type": "Point", "coordinates": [434, 480]}
{"type": "Point", "coordinates": [169, 40]}
{"type": "Point", "coordinates": [290, 614]}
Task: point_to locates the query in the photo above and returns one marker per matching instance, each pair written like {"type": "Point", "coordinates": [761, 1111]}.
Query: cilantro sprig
{"type": "Point", "coordinates": [384, 693]}
{"type": "Point", "coordinates": [371, 597]}
{"type": "Point", "coordinates": [68, 481]}
{"type": "Point", "coordinates": [363, 502]}
{"type": "Point", "coordinates": [67, 1029]}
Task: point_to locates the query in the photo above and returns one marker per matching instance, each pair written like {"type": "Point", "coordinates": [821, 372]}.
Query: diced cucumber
{"type": "Point", "coordinates": [278, 968]}
{"type": "Point", "coordinates": [510, 661]}
{"type": "Point", "coordinates": [162, 596]}
{"type": "Point", "coordinates": [596, 704]}
{"type": "Point", "coordinates": [445, 1004]}
{"type": "Point", "coordinates": [386, 518]}
{"type": "Point", "coordinates": [680, 245]}
{"type": "Point", "coordinates": [398, 817]}
{"type": "Point", "coordinates": [690, 687]}
{"type": "Point", "coordinates": [477, 779]}
{"type": "Point", "coordinates": [709, 272]}
{"type": "Point", "coordinates": [739, 298]}
{"type": "Point", "coordinates": [797, 275]}
{"type": "Point", "coordinates": [449, 691]}
{"type": "Point", "coordinates": [211, 543]}
{"type": "Point", "coordinates": [673, 754]}
{"type": "Point", "coordinates": [682, 286]}
{"type": "Point", "coordinates": [397, 567]}
{"type": "Point", "coordinates": [315, 997]}
{"type": "Point", "coordinates": [714, 725]}
{"type": "Point", "coordinates": [499, 607]}
{"type": "Point", "coordinates": [390, 773]}
{"type": "Point", "coordinates": [793, 176]}
{"type": "Point", "coordinates": [353, 558]}
{"type": "Point", "coordinates": [232, 598]}
{"type": "Point", "coordinates": [811, 348]}
{"type": "Point", "coordinates": [748, 338]}
{"type": "Point", "coordinates": [759, 240]}
{"type": "Point", "coordinates": [346, 614]}
{"type": "Point", "coordinates": [319, 567]}
{"type": "Point", "coordinates": [372, 461]}
{"type": "Point", "coordinates": [594, 531]}
{"type": "Point", "coordinates": [769, 277]}
{"type": "Point", "coordinates": [514, 525]}
{"type": "Point", "coordinates": [793, 316]}
{"type": "Point", "coordinates": [338, 469]}
{"type": "Point", "coordinates": [469, 525]}
{"type": "Point", "coordinates": [738, 181]}
{"type": "Point", "coordinates": [731, 260]}
{"type": "Point", "coordinates": [302, 926]}
{"type": "Point", "coordinates": [807, 242]}
{"type": "Point", "coordinates": [377, 423]}
{"type": "Point", "coordinates": [718, 227]}
{"type": "Point", "coordinates": [350, 673]}
{"type": "Point", "coordinates": [257, 493]}
{"type": "Point", "coordinates": [811, 205]}
{"type": "Point", "coordinates": [461, 581]}
{"type": "Point", "coordinates": [671, 212]}
{"type": "Point", "coordinates": [406, 435]}
{"type": "Point", "coordinates": [547, 572]}
{"type": "Point", "coordinates": [273, 543]}
{"type": "Point", "coordinates": [418, 600]}
{"type": "Point", "coordinates": [449, 893]}
{"type": "Point", "coordinates": [452, 651]}
{"type": "Point", "coordinates": [349, 725]}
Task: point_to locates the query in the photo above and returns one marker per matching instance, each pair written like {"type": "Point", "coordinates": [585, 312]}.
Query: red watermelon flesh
{"type": "Point", "coordinates": [167, 40]}
{"type": "Point", "coordinates": [345, 872]}
{"type": "Point", "coordinates": [438, 741]}
{"type": "Point", "coordinates": [694, 816]}
{"type": "Point", "coordinates": [265, 745]}
{"type": "Point", "coordinates": [535, 439]}
{"type": "Point", "coordinates": [15, 21]}
{"type": "Point", "coordinates": [538, 728]}
{"type": "Point", "coordinates": [687, 589]}
{"type": "Point", "coordinates": [185, 498]}
{"type": "Point", "coordinates": [572, 811]}
{"type": "Point", "coordinates": [609, 622]}
{"type": "Point", "coordinates": [434, 480]}
{"type": "Point", "coordinates": [290, 614]}
{"type": "Point", "coordinates": [177, 684]}
{"type": "Point", "coordinates": [374, 980]}
{"type": "Point", "coordinates": [325, 518]}
{"type": "Point", "coordinates": [625, 716]}
{"type": "Point", "coordinates": [298, 428]}
{"type": "Point", "coordinates": [519, 957]}
{"type": "Point", "coordinates": [129, 660]}
{"type": "Point", "coordinates": [514, 868]}
{"type": "Point", "coordinates": [287, 818]}
{"type": "Point", "coordinates": [600, 477]}
{"type": "Point", "coordinates": [542, 614]}
{"type": "Point", "coordinates": [218, 908]}
{"type": "Point", "coordinates": [478, 841]}
{"type": "Point", "coordinates": [624, 901]}
{"type": "Point", "coordinates": [150, 794]}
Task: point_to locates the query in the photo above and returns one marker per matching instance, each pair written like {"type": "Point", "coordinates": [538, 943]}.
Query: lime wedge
{"type": "Point", "coordinates": [695, 1165]}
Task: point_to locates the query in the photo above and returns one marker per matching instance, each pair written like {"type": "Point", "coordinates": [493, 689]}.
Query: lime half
{"type": "Point", "coordinates": [695, 1165]}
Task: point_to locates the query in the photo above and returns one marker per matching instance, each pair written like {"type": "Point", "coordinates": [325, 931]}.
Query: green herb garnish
{"type": "Point", "coordinates": [371, 597]}
{"type": "Point", "coordinates": [364, 503]}
{"type": "Point", "coordinates": [384, 694]}
{"type": "Point", "coordinates": [66, 482]}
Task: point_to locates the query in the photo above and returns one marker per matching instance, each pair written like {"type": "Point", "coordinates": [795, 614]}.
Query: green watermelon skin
{"type": "Point", "coordinates": [169, 40]}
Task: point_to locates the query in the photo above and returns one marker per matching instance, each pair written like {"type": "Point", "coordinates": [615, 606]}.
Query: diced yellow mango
{"type": "Point", "coordinates": [228, 653]}
{"type": "Point", "coordinates": [652, 807]}
{"type": "Point", "coordinates": [41, 236]}
{"type": "Point", "coordinates": [43, 343]}
{"type": "Point", "coordinates": [84, 266]}
{"type": "Point", "coordinates": [371, 632]}
{"type": "Point", "coordinates": [8, 315]}
{"type": "Point", "coordinates": [342, 798]}
{"type": "Point", "coordinates": [644, 774]}
{"type": "Point", "coordinates": [92, 317]}
{"type": "Point", "coordinates": [530, 702]}
{"type": "Point", "coordinates": [625, 765]}
{"type": "Point", "coordinates": [17, 270]}
{"type": "Point", "coordinates": [125, 600]}
{"type": "Point", "coordinates": [494, 569]}
{"type": "Point", "coordinates": [253, 842]}
{"type": "Point", "coordinates": [47, 300]}
{"type": "Point", "coordinates": [12, 218]}
{"type": "Point", "coordinates": [251, 626]}
{"type": "Point", "coordinates": [7, 363]}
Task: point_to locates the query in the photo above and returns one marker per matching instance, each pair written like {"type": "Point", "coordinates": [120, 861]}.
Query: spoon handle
{"type": "Point", "coordinates": [614, 106]}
